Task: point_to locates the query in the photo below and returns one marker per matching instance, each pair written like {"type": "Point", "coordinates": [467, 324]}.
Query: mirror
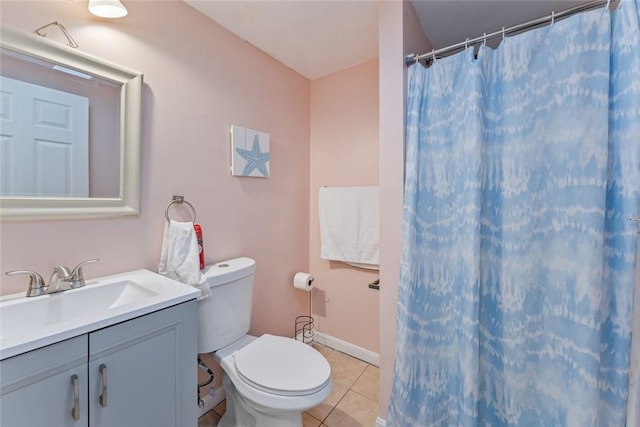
{"type": "Point", "coordinates": [77, 155]}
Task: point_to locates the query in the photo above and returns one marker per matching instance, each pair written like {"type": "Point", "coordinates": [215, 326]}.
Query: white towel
{"type": "Point", "coordinates": [180, 259]}
{"type": "Point", "coordinates": [350, 225]}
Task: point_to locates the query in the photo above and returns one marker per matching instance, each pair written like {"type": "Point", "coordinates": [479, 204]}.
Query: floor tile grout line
{"type": "Point", "coordinates": [350, 388]}
{"type": "Point", "coordinates": [359, 376]}
{"type": "Point", "coordinates": [363, 396]}
{"type": "Point", "coordinates": [336, 405]}
{"type": "Point", "coordinates": [320, 421]}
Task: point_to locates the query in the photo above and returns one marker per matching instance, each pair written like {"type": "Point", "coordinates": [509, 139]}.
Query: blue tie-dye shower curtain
{"type": "Point", "coordinates": [517, 274]}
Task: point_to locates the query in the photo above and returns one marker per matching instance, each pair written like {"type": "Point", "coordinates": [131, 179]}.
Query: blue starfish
{"type": "Point", "coordinates": [255, 159]}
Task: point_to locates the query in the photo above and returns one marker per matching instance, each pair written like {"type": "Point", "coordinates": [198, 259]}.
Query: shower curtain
{"type": "Point", "coordinates": [517, 274]}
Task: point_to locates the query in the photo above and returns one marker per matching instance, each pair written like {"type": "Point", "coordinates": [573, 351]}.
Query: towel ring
{"type": "Point", "coordinates": [180, 200]}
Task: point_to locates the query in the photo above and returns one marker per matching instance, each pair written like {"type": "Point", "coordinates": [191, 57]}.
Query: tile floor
{"type": "Point", "coordinates": [353, 402]}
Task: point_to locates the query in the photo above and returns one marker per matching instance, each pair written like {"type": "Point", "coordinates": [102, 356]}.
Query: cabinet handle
{"type": "Point", "coordinates": [103, 378]}
{"type": "Point", "coordinates": [75, 411]}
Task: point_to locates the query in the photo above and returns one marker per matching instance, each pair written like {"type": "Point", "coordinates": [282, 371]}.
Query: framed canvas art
{"type": "Point", "coordinates": [250, 153]}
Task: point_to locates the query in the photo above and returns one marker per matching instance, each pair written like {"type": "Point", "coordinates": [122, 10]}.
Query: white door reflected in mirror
{"type": "Point", "coordinates": [44, 149]}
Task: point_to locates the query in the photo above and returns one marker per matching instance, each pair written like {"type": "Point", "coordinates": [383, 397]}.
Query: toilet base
{"type": "Point", "coordinates": [241, 413]}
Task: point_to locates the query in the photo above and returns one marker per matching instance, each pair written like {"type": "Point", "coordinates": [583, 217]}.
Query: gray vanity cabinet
{"type": "Point", "coordinates": [42, 387]}
{"type": "Point", "coordinates": [135, 373]}
{"type": "Point", "coordinates": [148, 367]}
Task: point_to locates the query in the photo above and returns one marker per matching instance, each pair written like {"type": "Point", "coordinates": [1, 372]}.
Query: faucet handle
{"type": "Point", "coordinates": [77, 277]}
{"type": "Point", "coordinates": [36, 282]}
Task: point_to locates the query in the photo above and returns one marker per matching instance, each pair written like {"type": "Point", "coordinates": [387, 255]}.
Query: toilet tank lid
{"type": "Point", "coordinates": [227, 271]}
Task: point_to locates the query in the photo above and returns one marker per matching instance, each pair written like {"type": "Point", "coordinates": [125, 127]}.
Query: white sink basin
{"type": "Point", "coordinates": [24, 314]}
{"type": "Point", "coordinates": [30, 323]}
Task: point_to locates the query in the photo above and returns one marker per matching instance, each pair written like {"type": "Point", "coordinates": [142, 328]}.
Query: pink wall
{"type": "Point", "coordinates": [199, 79]}
{"type": "Point", "coordinates": [400, 34]}
{"type": "Point", "coordinates": [344, 152]}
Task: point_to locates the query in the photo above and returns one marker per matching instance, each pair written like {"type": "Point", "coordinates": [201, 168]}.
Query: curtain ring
{"type": "Point", "coordinates": [503, 34]}
{"type": "Point", "coordinates": [433, 56]}
{"type": "Point", "coordinates": [484, 39]}
{"type": "Point", "coordinates": [466, 44]}
{"type": "Point", "coordinates": [553, 17]}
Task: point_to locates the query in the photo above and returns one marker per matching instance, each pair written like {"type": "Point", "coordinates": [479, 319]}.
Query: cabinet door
{"type": "Point", "coordinates": [46, 387]}
{"type": "Point", "coordinates": [142, 371]}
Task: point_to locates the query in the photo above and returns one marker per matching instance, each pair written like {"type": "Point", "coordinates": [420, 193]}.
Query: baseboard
{"type": "Point", "coordinates": [211, 402]}
{"type": "Point", "coordinates": [380, 422]}
{"type": "Point", "coordinates": [347, 348]}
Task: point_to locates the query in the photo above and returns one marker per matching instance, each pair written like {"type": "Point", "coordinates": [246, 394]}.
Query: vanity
{"type": "Point", "coordinates": [117, 352]}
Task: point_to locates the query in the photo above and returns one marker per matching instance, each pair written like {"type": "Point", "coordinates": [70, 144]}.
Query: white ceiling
{"type": "Point", "coordinates": [446, 22]}
{"type": "Point", "coordinates": [313, 37]}
{"type": "Point", "coordinates": [319, 37]}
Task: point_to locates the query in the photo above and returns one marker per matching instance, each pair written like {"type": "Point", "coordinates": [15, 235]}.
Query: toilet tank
{"type": "Point", "coordinates": [225, 316]}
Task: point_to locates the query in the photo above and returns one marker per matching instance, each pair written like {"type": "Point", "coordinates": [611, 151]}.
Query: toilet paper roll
{"type": "Point", "coordinates": [303, 281]}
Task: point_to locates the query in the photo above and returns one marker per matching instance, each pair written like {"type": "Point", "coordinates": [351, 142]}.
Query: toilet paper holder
{"type": "Point", "coordinates": [304, 326]}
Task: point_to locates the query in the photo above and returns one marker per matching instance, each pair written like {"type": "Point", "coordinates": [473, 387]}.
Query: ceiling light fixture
{"type": "Point", "coordinates": [107, 8]}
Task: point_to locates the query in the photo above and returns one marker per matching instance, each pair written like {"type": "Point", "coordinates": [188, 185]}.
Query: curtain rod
{"type": "Point", "coordinates": [413, 58]}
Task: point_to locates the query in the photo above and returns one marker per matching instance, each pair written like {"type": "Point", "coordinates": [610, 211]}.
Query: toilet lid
{"type": "Point", "coordinates": [282, 366]}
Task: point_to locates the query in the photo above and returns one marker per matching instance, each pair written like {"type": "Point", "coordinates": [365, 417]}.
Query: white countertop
{"type": "Point", "coordinates": [30, 323]}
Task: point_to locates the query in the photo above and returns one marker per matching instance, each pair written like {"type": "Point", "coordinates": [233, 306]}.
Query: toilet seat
{"type": "Point", "coordinates": [282, 366]}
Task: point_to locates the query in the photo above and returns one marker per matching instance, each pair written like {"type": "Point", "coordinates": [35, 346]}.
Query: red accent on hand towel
{"type": "Point", "coordinates": [200, 244]}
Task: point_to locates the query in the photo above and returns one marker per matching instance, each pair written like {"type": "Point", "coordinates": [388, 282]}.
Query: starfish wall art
{"type": "Point", "coordinates": [250, 153]}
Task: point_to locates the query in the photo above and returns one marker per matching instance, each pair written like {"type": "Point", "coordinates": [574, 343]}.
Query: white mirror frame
{"type": "Point", "coordinates": [128, 201]}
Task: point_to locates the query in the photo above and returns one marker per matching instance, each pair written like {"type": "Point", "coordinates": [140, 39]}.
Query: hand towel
{"type": "Point", "coordinates": [180, 259]}
{"type": "Point", "coordinates": [349, 225]}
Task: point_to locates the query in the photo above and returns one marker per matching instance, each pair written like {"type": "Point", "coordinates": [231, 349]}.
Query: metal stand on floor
{"type": "Point", "coordinates": [304, 326]}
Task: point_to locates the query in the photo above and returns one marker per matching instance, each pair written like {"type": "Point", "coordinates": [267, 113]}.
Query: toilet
{"type": "Point", "coordinates": [268, 380]}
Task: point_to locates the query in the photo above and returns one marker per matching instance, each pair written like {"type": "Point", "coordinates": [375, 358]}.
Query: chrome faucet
{"type": "Point", "coordinates": [62, 279]}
